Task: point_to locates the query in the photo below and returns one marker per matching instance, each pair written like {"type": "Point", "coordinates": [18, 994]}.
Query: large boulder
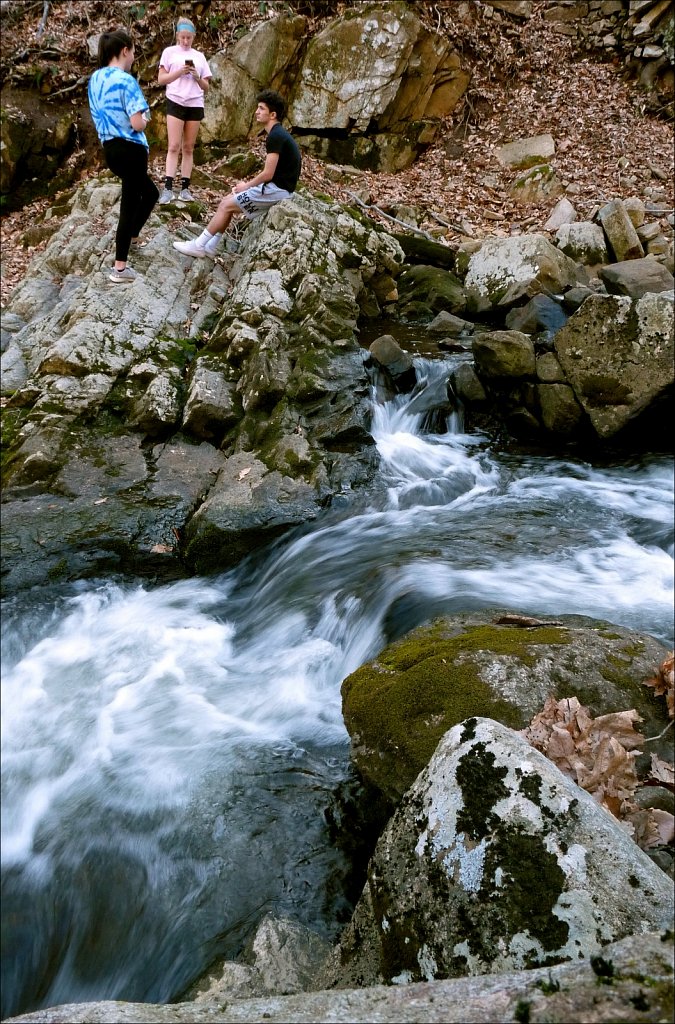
{"type": "Point", "coordinates": [34, 148]}
{"type": "Point", "coordinates": [617, 354]}
{"type": "Point", "coordinates": [496, 861]}
{"type": "Point", "coordinates": [263, 58]}
{"type": "Point", "coordinates": [503, 354]}
{"type": "Point", "coordinates": [398, 705]}
{"type": "Point", "coordinates": [620, 231]}
{"type": "Point", "coordinates": [506, 270]}
{"type": "Point", "coordinates": [381, 81]}
{"type": "Point", "coordinates": [522, 153]}
{"type": "Point", "coordinates": [424, 290]}
{"type": "Point", "coordinates": [637, 277]}
{"type": "Point", "coordinates": [583, 241]}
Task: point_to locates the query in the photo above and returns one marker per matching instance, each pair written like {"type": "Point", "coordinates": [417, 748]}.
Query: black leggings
{"type": "Point", "coordinates": [129, 161]}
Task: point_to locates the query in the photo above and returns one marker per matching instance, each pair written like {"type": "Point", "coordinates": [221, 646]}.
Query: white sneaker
{"type": "Point", "coordinates": [165, 197]}
{"type": "Point", "coordinates": [186, 195]}
{"type": "Point", "coordinates": [190, 248]}
{"type": "Point", "coordinates": [122, 276]}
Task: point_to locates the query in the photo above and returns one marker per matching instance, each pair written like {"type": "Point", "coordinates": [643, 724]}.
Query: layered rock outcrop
{"type": "Point", "coordinates": [234, 402]}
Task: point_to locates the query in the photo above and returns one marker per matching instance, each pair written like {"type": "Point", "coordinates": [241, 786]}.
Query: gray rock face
{"type": "Point", "coordinates": [495, 861]}
{"type": "Point", "coordinates": [617, 354]}
{"type": "Point", "coordinates": [211, 406]}
{"type": "Point", "coordinates": [283, 957]}
{"type": "Point", "coordinates": [505, 270]}
{"type": "Point", "coordinates": [95, 370]}
{"type": "Point", "coordinates": [641, 990]}
{"type": "Point", "coordinates": [247, 502]}
{"type": "Point", "coordinates": [637, 277]}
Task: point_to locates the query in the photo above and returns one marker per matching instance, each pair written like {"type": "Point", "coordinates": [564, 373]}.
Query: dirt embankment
{"type": "Point", "coordinates": [527, 79]}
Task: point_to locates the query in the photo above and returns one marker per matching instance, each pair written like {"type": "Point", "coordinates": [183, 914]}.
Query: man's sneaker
{"type": "Point", "coordinates": [165, 197]}
{"type": "Point", "coordinates": [122, 276]}
{"type": "Point", "coordinates": [185, 195]}
{"type": "Point", "coordinates": [190, 248]}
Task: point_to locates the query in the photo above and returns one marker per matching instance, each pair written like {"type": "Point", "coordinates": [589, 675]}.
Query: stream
{"type": "Point", "coordinates": [172, 756]}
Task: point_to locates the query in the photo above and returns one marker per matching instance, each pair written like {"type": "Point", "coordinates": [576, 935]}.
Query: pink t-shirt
{"type": "Point", "coordinates": [185, 89]}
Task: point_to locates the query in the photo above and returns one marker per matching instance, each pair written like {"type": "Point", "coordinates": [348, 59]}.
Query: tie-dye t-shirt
{"type": "Point", "coordinates": [114, 96]}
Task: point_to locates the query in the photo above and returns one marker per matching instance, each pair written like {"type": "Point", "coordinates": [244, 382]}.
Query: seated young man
{"type": "Point", "coordinates": [275, 182]}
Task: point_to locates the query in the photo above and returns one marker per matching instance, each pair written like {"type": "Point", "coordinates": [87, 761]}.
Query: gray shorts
{"type": "Point", "coordinates": [258, 199]}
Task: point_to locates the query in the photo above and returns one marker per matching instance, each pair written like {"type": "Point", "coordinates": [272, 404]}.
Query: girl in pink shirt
{"type": "Point", "coordinates": [185, 73]}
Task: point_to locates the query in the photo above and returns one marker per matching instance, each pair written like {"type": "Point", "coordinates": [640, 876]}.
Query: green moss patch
{"type": "Point", "coordinates": [422, 686]}
{"type": "Point", "coordinates": [532, 882]}
{"type": "Point", "coordinates": [482, 787]}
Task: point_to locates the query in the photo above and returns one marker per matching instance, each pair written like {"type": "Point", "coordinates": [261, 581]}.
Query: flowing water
{"type": "Point", "coordinates": [171, 755]}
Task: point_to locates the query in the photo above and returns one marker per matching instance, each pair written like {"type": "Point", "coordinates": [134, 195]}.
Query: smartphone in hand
{"type": "Point", "coordinates": [189, 63]}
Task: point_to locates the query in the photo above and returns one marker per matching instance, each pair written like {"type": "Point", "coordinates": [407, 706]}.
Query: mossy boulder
{"type": "Point", "coordinates": [397, 706]}
{"type": "Point", "coordinates": [618, 355]}
{"type": "Point", "coordinates": [426, 290]}
{"type": "Point", "coordinates": [495, 862]}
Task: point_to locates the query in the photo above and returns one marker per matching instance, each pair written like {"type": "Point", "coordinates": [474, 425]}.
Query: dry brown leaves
{"type": "Point", "coordinates": [526, 80]}
{"type": "Point", "coordinates": [663, 683]}
{"type": "Point", "coordinates": [599, 755]}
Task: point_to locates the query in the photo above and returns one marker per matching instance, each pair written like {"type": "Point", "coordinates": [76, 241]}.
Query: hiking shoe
{"type": "Point", "coordinates": [122, 276]}
{"type": "Point", "coordinates": [190, 248]}
{"type": "Point", "coordinates": [165, 197]}
{"type": "Point", "coordinates": [185, 195]}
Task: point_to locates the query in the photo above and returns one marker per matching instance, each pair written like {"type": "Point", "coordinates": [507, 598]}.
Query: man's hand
{"type": "Point", "coordinates": [241, 186]}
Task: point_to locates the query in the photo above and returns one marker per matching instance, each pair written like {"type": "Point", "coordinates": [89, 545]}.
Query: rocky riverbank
{"type": "Point", "coordinates": [176, 425]}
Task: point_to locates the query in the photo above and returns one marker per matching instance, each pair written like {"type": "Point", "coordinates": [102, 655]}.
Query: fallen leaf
{"type": "Point", "coordinates": [244, 472]}
{"type": "Point", "coordinates": [662, 772]}
{"type": "Point", "coordinates": [161, 549]}
{"type": "Point", "coordinates": [663, 683]}
{"type": "Point", "coordinates": [100, 501]}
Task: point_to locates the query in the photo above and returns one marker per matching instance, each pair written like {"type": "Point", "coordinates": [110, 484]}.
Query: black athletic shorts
{"type": "Point", "coordinates": [184, 113]}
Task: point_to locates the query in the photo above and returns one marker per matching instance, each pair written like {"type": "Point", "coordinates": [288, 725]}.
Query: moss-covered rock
{"type": "Point", "coordinates": [495, 861]}
{"type": "Point", "coordinates": [397, 706]}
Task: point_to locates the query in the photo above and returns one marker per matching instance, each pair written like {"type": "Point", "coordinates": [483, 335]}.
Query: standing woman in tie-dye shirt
{"type": "Point", "coordinates": [120, 113]}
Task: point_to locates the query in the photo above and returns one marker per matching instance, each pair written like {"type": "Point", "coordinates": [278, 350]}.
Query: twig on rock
{"type": "Point", "coordinates": [389, 216]}
{"type": "Point", "coordinates": [650, 739]}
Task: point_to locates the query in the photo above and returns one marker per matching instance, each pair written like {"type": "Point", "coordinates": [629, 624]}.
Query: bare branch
{"type": "Point", "coordinates": [650, 739]}
{"type": "Point", "coordinates": [43, 20]}
{"type": "Point", "coordinates": [69, 88]}
{"type": "Point", "coordinates": [410, 227]}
